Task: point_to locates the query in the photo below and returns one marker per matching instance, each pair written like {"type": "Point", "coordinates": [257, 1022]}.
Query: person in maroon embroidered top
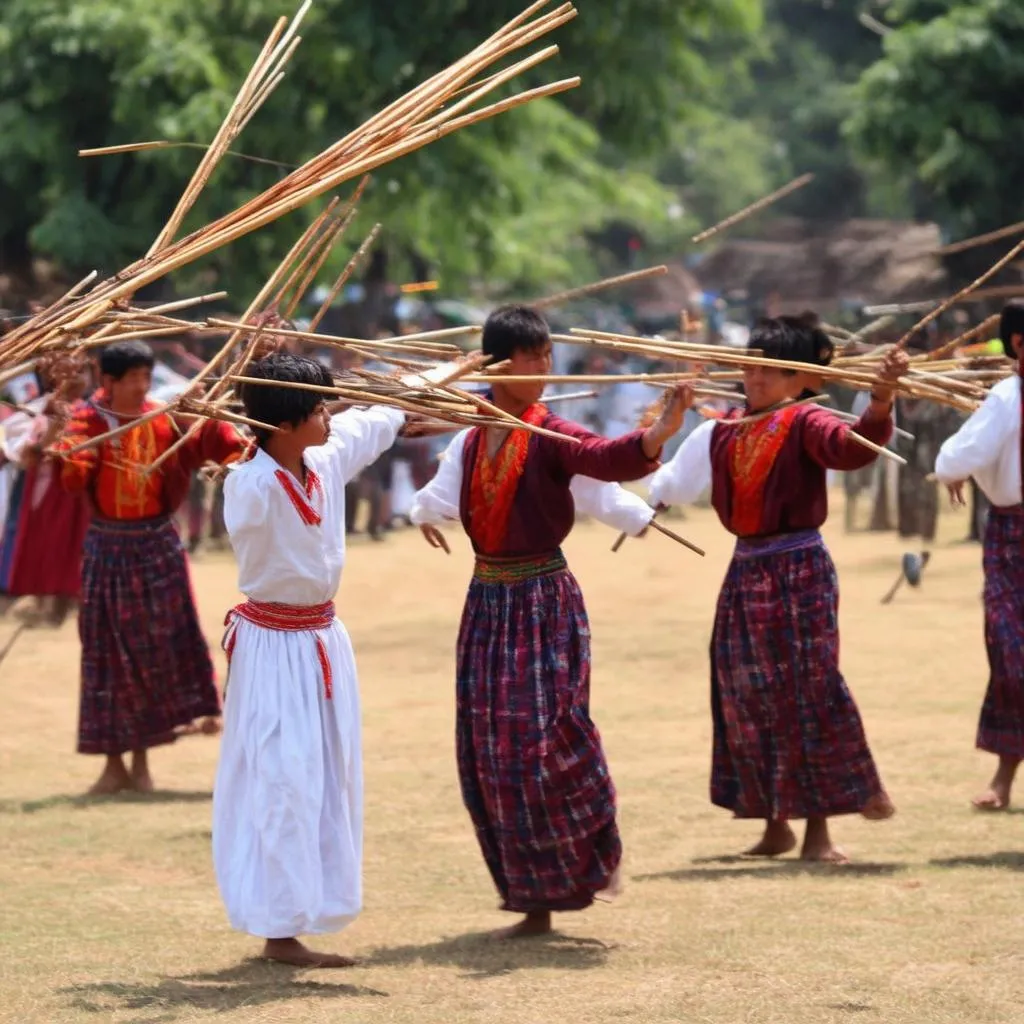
{"type": "Point", "coordinates": [788, 738]}
{"type": "Point", "coordinates": [533, 775]}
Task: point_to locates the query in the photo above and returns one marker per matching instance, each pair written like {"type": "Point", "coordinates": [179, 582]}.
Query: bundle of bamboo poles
{"type": "Point", "coordinates": [443, 104]}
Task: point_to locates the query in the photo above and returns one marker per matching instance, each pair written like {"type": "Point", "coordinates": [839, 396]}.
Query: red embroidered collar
{"type": "Point", "coordinates": [302, 501]}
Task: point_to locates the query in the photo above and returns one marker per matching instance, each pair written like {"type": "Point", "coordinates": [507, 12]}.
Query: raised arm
{"type": "Point", "coordinates": [827, 439]}
{"type": "Point", "coordinates": [360, 436]}
{"type": "Point", "coordinates": [683, 479]}
{"type": "Point", "coordinates": [611, 504]}
{"type": "Point", "coordinates": [630, 457]}
{"type": "Point", "coordinates": [979, 441]}
{"type": "Point", "coordinates": [438, 502]}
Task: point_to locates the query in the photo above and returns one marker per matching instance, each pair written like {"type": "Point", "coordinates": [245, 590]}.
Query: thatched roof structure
{"type": "Point", "coordinates": [808, 265]}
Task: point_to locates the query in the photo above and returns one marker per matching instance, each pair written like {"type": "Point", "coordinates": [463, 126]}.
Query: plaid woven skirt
{"type": "Point", "coordinates": [788, 739]}
{"type": "Point", "coordinates": [1001, 728]}
{"type": "Point", "coordinates": [533, 774]}
{"type": "Point", "coordinates": [146, 668]}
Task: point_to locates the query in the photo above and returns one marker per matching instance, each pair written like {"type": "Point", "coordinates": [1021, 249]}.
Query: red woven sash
{"type": "Point", "coordinates": [286, 618]}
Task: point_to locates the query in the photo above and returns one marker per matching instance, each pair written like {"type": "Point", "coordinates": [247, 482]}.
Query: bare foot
{"type": "Point", "coordinates": [824, 855]}
{"type": "Point", "coordinates": [293, 952]}
{"type": "Point", "coordinates": [142, 781]}
{"type": "Point", "coordinates": [818, 847]}
{"type": "Point", "coordinates": [777, 840]}
{"type": "Point", "coordinates": [537, 922]}
{"type": "Point", "coordinates": [613, 890]}
{"type": "Point", "coordinates": [995, 798]}
{"type": "Point", "coordinates": [210, 726]}
{"type": "Point", "coordinates": [114, 779]}
{"type": "Point", "coordinates": [878, 808]}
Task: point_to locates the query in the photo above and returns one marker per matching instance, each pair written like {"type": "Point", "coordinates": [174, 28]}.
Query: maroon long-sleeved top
{"type": "Point", "coordinates": [793, 494]}
{"type": "Point", "coordinates": [543, 510]}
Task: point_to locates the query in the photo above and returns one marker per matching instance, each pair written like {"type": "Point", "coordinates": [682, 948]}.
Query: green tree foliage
{"type": "Point", "coordinates": [940, 111]}
{"type": "Point", "coordinates": [510, 198]}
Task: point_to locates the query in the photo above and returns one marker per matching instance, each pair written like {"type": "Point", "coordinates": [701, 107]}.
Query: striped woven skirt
{"type": "Point", "coordinates": [533, 774]}
{"type": "Point", "coordinates": [146, 668]}
{"type": "Point", "coordinates": [1001, 728]}
{"type": "Point", "coordinates": [788, 739]}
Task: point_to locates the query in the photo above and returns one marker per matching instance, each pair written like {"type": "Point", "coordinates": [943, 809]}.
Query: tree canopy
{"type": "Point", "coordinates": [939, 111]}
{"type": "Point", "coordinates": [512, 198]}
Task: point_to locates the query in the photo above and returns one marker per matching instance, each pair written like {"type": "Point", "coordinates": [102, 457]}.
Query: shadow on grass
{"type": "Point", "coordinates": [161, 796]}
{"type": "Point", "coordinates": [479, 956]}
{"type": "Point", "coordinates": [249, 984]}
{"type": "Point", "coordinates": [710, 869]}
{"type": "Point", "coordinates": [1007, 860]}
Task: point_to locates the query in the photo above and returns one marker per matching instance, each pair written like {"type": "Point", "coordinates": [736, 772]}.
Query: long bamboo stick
{"type": "Point", "coordinates": [761, 204]}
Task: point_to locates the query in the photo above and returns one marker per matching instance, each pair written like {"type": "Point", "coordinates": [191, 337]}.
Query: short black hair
{"type": "Point", "coordinates": [511, 329]}
{"type": "Point", "coordinates": [120, 357]}
{"type": "Point", "coordinates": [1011, 323]}
{"type": "Point", "coordinates": [815, 345]}
{"type": "Point", "coordinates": [283, 405]}
{"type": "Point", "coordinates": [779, 338]}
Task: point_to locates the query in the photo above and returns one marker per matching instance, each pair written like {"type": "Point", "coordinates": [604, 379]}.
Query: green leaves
{"type": "Point", "coordinates": [941, 110]}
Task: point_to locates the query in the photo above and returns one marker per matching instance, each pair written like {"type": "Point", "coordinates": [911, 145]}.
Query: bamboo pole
{"type": "Point", "coordinates": [753, 208]}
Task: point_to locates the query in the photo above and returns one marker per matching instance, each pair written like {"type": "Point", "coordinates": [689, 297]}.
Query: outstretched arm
{"type": "Point", "coordinates": [827, 440]}
{"type": "Point", "coordinates": [360, 436]}
{"type": "Point", "coordinates": [683, 479]}
{"type": "Point", "coordinates": [630, 457]}
{"type": "Point", "coordinates": [611, 504]}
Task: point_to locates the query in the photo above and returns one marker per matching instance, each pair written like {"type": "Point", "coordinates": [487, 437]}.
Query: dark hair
{"type": "Point", "coordinates": [512, 329]}
{"type": "Point", "coordinates": [815, 345]}
{"type": "Point", "coordinates": [778, 338]}
{"type": "Point", "coordinates": [283, 405]}
{"type": "Point", "coordinates": [1011, 323]}
{"type": "Point", "coordinates": [122, 356]}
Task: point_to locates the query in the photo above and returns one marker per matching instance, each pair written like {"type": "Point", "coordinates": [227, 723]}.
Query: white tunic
{"type": "Point", "coordinates": [987, 447]}
{"type": "Point", "coordinates": [608, 503]}
{"type": "Point", "coordinates": [687, 475]}
{"type": "Point", "coordinates": [288, 800]}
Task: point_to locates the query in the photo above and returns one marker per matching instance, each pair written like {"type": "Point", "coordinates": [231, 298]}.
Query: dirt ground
{"type": "Point", "coordinates": [109, 910]}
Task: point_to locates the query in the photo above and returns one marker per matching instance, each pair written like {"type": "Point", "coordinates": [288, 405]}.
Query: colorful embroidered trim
{"type": "Point", "coordinates": [516, 570]}
{"type": "Point", "coordinates": [300, 501]}
{"type": "Point", "coordinates": [494, 482]}
{"type": "Point", "coordinates": [752, 454]}
{"type": "Point", "coordinates": [286, 618]}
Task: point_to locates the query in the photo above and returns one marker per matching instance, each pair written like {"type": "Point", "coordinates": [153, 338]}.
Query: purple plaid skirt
{"type": "Point", "coordinates": [1001, 728]}
{"type": "Point", "coordinates": [788, 739]}
{"type": "Point", "coordinates": [533, 775]}
{"type": "Point", "coordinates": [146, 668]}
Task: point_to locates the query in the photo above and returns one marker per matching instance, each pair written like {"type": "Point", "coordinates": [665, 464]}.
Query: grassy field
{"type": "Point", "coordinates": [109, 910]}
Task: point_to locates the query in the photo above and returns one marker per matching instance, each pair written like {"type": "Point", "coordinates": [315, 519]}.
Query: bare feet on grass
{"type": "Point", "coordinates": [818, 847]}
{"type": "Point", "coordinates": [113, 779]}
{"type": "Point", "coordinates": [294, 953]}
{"type": "Point", "coordinates": [537, 922]}
{"type": "Point", "coordinates": [778, 839]}
{"type": "Point", "coordinates": [142, 781]}
{"type": "Point", "coordinates": [997, 796]}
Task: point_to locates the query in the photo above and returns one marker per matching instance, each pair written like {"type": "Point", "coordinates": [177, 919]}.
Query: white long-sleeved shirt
{"type": "Point", "coordinates": [280, 557]}
{"type": "Point", "coordinates": [987, 447]}
{"type": "Point", "coordinates": [609, 503]}
{"type": "Point", "coordinates": [687, 475]}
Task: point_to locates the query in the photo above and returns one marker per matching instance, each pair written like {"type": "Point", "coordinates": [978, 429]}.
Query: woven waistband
{"type": "Point", "coordinates": [286, 618]}
{"type": "Point", "coordinates": [1007, 510]}
{"type": "Point", "coordinates": [780, 544]}
{"type": "Point", "coordinates": [128, 526]}
{"type": "Point", "coordinates": [516, 570]}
